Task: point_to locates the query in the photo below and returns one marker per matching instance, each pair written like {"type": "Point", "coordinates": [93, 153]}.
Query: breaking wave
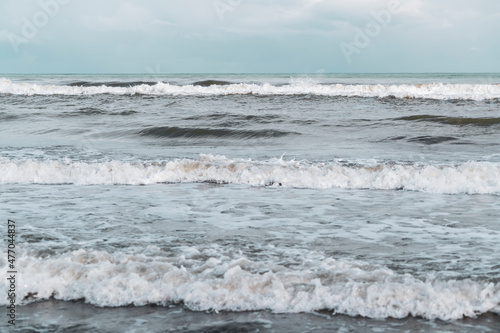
{"type": "Point", "coordinates": [469, 177]}
{"type": "Point", "coordinates": [439, 91]}
{"type": "Point", "coordinates": [205, 279]}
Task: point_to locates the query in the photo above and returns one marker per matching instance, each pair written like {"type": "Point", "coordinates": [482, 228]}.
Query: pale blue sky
{"type": "Point", "coordinates": [239, 36]}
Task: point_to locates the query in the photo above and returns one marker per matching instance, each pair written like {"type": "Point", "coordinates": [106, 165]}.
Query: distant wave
{"type": "Point", "coordinates": [181, 132]}
{"type": "Point", "coordinates": [205, 280]}
{"type": "Point", "coordinates": [91, 111]}
{"type": "Point", "coordinates": [437, 91]}
{"type": "Point", "coordinates": [112, 84]}
{"type": "Point", "coordinates": [208, 83]}
{"type": "Point", "coordinates": [469, 177]}
{"type": "Point", "coordinates": [458, 121]}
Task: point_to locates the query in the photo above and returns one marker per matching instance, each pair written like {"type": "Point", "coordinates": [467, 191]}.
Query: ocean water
{"type": "Point", "coordinates": [252, 203]}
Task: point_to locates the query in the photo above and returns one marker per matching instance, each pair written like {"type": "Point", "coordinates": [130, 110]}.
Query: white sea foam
{"type": "Point", "coordinates": [208, 280]}
{"type": "Point", "coordinates": [430, 91]}
{"type": "Point", "coordinates": [469, 177]}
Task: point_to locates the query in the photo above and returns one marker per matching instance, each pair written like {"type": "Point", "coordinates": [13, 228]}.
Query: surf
{"type": "Point", "coordinates": [470, 177]}
{"type": "Point", "coordinates": [438, 91]}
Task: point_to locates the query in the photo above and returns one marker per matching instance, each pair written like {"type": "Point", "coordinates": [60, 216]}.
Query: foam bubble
{"type": "Point", "coordinates": [469, 177]}
{"type": "Point", "coordinates": [432, 90]}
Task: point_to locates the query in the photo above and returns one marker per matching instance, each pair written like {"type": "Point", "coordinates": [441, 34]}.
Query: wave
{"type": "Point", "coordinates": [181, 132]}
{"type": "Point", "coordinates": [469, 177]}
{"type": "Point", "coordinates": [205, 280]}
{"type": "Point", "coordinates": [208, 83]}
{"type": "Point", "coordinates": [91, 111]}
{"type": "Point", "coordinates": [437, 91]}
{"type": "Point", "coordinates": [458, 121]}
{"type": "Point", "coordinates": [432, 140]}
{"type": "Point", "coordinates": [4, 116]}
{"type": "Point", "coordinates": [113, 84]}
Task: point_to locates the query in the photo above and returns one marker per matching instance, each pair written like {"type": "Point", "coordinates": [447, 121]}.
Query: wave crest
{"type": "Point", "coordinates": [469, 177]}
{"type": "Point", "coordinates": [208, 281]}
{"type": "Point", "coordinates": [438, 91]}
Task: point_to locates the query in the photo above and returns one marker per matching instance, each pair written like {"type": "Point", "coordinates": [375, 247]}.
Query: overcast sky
{"type": "Point", "coordinates": [254, 36]}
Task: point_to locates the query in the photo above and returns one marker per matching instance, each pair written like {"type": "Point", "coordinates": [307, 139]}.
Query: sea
{"type": "Point", "coordinates": [250, 202]}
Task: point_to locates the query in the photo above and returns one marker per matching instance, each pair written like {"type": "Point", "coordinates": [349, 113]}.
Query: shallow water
{"type": "Point", "coordinates": [80, 317]}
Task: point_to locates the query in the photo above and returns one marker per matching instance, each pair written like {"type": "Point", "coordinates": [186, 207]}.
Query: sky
{"type": "Point", "coordinates": [249, 36]}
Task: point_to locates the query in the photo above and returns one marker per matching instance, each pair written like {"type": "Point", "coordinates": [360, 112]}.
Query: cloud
{"type": "Point", "coordinates": [126, 17]}
{"type": "Point", "coordinates": [447, 24]}
{"type": "Point", "coordinates": [163, 22]}
{"type": "Point", "coordinates": [293, 34]}
{"type": "Point", "coordinates": [3, 35]}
